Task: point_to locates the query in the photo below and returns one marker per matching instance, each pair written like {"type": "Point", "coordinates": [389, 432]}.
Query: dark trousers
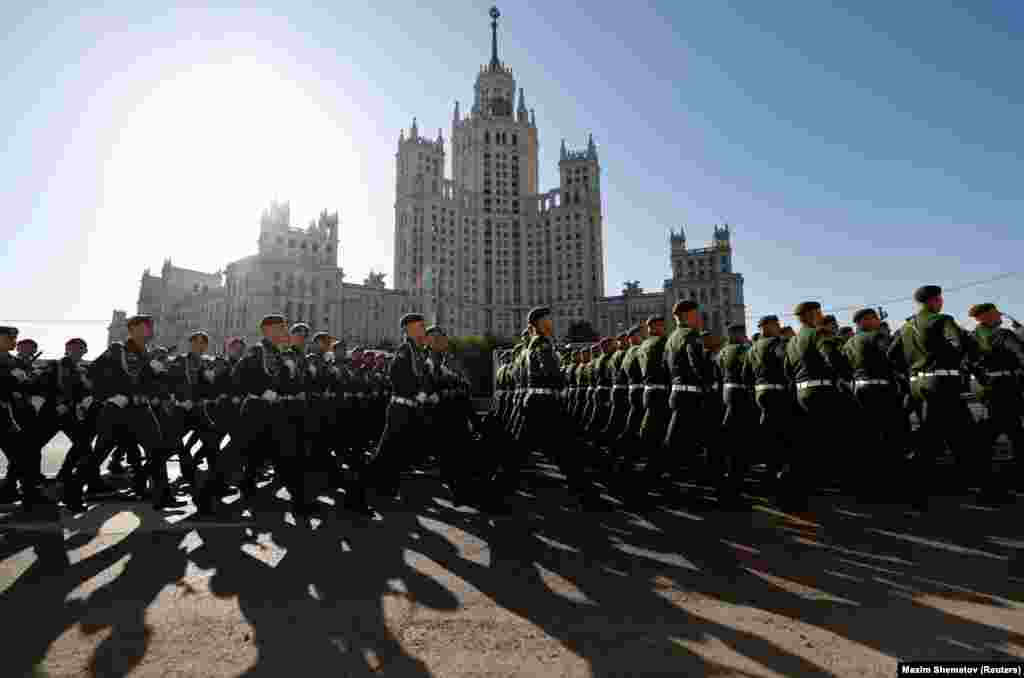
{"type": "Point", "coordinates": [688, 430]}
{"type": "Point", "coordinates": [882, 423]}
{"type": "Point", "coordinates": [176, 422]}
{"type": "Point", "coordinates": [946, 420]}
{"type": "Point", "coordinates": [117, 426]}
{"type": "Point", "coordinates": [401, 435]}
{"type": "Point", "coordinates": [739, 430]}
{"type": "Point", "coordinates": [16, 443]}
{"type": "Point", "coordinates": [261, 423]}
{"type": "Point", "coordinates": [79, 431]}
{"type": "Point", "coordinates": [546, 428]}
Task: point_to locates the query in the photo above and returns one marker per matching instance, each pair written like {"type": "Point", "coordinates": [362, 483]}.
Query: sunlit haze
{"type": "Point", "coordinates": [855, 154]}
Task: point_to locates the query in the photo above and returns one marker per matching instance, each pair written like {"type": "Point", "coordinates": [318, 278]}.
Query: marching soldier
{"type": "Point", "coordinates": [602, 380]}
{"type": "Point", "coordinates": [402, 426]}
{"type": "Point", "coordinates": [265, 381]}
{"type": "Point", "coordinates": [931, 347]}
{"type": "Point", "coordinates": [125, 380]}
{"type": "Point", "coordinates": [192, 380]}
{"type": "Point", "coordinates": [68, 406]}
{"type": "Point", "coordinates": [739, 419]}
{"type": "Point", "coordinates": [544, 426]}
{"type": "Point", "coordinates": [684, 360]}
{"type": "Point", "coordinates": [629, 437]}
{"type": "Point", "coordinates": [813, 364]}
{"type": "Point", "coordinates": [1001, 357]}
{"type": "Point", "coordinates": [878, 398]}
{"type": "Point", "coordinates": [620, 392]}
{"type": "Point", "coordinates": [656, 379]}
{"type": "Point", "coordinates": [765, 369]}
{"type": "Point", "coordinates": [15, 380]}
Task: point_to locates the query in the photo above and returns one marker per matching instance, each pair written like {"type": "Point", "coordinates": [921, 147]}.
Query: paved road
{"type": "Point", "coordinates": [430, 590]}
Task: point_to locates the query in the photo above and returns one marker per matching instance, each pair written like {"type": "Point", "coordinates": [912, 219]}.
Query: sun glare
{"type": "Point", "coordinates": [204, 153]}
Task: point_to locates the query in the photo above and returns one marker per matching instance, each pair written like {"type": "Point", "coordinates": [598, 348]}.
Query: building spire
{"type": "Point", "coordinates": [495, 64]}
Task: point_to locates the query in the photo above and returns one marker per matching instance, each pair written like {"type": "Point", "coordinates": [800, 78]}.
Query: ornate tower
{"type": "Point", "coordinates": [677, 242]}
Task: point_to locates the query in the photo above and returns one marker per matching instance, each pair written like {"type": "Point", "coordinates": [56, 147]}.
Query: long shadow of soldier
{"type": "Point", "coordinates": [334, 600]}
{"type": "Point", "coordinates": [97, 581]}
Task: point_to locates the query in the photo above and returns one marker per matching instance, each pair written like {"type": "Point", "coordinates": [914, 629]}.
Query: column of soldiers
{"type": "Point", "coordinates": [294, 402]}
{"type": "Point", "coordinates": [632, 414]}
{"type": "Point", "coordinates": [817, 406]}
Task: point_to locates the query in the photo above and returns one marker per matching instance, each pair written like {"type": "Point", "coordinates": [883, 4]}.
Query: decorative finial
{"type": "Point", "coordinates": [494, 37]}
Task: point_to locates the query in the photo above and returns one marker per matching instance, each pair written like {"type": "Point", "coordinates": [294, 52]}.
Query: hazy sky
{"type": "Point", "coordinates": [857, 151]}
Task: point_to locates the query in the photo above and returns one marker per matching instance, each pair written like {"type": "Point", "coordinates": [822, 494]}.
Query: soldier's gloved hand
{"type": "Point", "coordinates": [421, 397]}
{"type": "Point", "coordinates": [210, 374]}
{"type": "Point", "coordinates": [19, 374]}
{"type": "Point", "coordinates": [37, 402]}
{"type": "Point", "coordinates": [86, 402]}
{"type": "Point", "coordinates": [433, 398]}
{"type": "Point", "coordinates": [187, 404]}
{"type": "Point", "coordinates": [157, 366]}
{"type": "Point", "coordinates": [119, 400]}
{"type": "Point", "coordinates": [269, 396]}
{"type": "Point", "coordinates": [62, 410]}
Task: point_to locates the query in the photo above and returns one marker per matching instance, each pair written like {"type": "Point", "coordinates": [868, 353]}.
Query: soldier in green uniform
{"type": "Point", "coordinates": [580, 378]}
{"type": "Point", "coordinates": [813, 364]}
{"type": "Point", "coordinates": [656, 380]}
{"type": "Point", "coordinates": [620, 392]}
{"type": "Point", "coordinates": [602, 400]}
{"type": "Point", "coordinates": [765, 369]}
{"type": "Point", "coordinates": [883, 425]}
{"type": "Point", "coordinates": [629, 436]}
{"type": "Point", "coordinates": [932, 348]}
{"type": "Point", "coordinates": [1001, 357]}
{"type": "Point", "coordinates": [684, 359]}
{"type": "Point", "coordinates": [544, 425]}
{"type": "Point", "coordinates": [739, 418]}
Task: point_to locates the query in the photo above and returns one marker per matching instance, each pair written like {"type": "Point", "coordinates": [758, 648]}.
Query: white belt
{"type": "Point", "coordinates": [811, 384]}
{"type": "Point", "coordinates": [769, 387]}
{"type": "Point", "coordinates": [655, 387]}
{"type": "Point", "coordinates": [686, 387]}
{"type": "Point", "coordinates": [602, 388]}
{"type": "Point", "coordinates": [872, 382]}
{"type": "Point", "coordinates": [542, 391]}
{"type": "Point", "coordinates": [636, 387]}
{"type": "Point", "coordinates": [620, 387]}
{"type": "Point", "coordinates": [404, 401]}
{"type": "Point", "coordinates": [729, 385]}
{"type": "Point", "coordinates": [936, 373]}
{"type": "Point", "coordinates": [1003, 373]}
{"type": "Point", "coordinates": [236, 400]}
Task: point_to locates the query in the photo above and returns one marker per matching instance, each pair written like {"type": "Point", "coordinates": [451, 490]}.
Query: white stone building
{"type": "Point", "coordinates": [477, 251]}
{"type": "Point", "coordinates": [473, 253]}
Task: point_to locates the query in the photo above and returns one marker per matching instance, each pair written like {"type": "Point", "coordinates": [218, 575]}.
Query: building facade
{"type": "Point", "coordinates": [477, 251]}
{"type": "Point", "coordinates": [704, 275]}
{"type": "Point", "coordinates": [473, 252]}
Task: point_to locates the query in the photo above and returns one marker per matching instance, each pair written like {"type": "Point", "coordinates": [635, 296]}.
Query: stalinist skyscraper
{"type": "Point", "coordinates": [476, 251]}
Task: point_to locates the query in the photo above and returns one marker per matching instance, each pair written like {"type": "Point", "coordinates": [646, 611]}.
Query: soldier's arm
{"type": "Point", "coordinates": [896, 356]}
{"type": "Point", "coordinates": [834, 356]}
{"type": "Point", "coordinates": [1015, 347]}
{"type": "Point", "coordinates": [403, 378]}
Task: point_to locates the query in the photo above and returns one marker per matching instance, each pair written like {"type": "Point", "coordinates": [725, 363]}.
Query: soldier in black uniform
{"type": "Point", "coordinates": [124, 378]}
{"type": "Point", "coordinates": [403, 419]}
{"type": "Point", "coordinates": [739, 419]}
{"type": "Point", "coordinates": [882, 421]}
{"type": "Point", "coordinates": [1001, 357]}
{"type": "Point", "coordinates": [225, 412]}
{"type": "Point", "coordinates": [192, 379]}
{"type": "Point", "coordinates": [620, 392]}
{"type": "Point", "coordinates": [15, 442]}
{"type": "Point", "coordinates": [68, 406]}
{"type": "Point", "coordinates": [933, 349]}
{"type": "Point", "coordinates": [267, 383]}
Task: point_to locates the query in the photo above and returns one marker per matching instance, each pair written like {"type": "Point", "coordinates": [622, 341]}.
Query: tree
{"type": "Point", "coordinates": [581, 331]}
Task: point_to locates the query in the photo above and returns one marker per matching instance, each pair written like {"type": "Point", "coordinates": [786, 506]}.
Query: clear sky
{"type": "Point", "coordinates": [858, 151]}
